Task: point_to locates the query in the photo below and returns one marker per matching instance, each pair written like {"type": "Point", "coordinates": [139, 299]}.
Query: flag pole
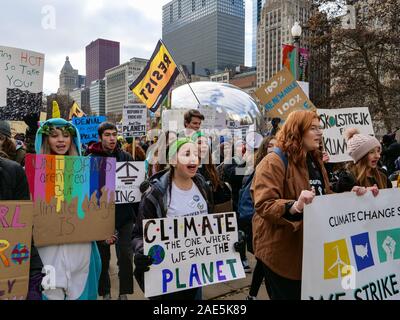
{"type": "Point", "coordinates": [181, 71]}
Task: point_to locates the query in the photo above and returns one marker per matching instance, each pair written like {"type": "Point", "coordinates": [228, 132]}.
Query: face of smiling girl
{"type": "Point", "coordinates": [188, 160]}
{"type": "Point", "coordinates": [59, 141]}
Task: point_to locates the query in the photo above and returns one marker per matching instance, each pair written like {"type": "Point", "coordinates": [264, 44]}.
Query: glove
{"type": "Point", "coordinates": [240, 246]}
{"type": "Point", "coordinates": [142, 262]}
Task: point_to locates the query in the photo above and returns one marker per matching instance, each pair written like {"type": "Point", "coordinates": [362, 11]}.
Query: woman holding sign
{"type": "Point", "coordinates": [364, 174]}
{"type": "Point", "coordinates": [284, 182]}
{"type": "Point", "coordinates": [76, 267]}
{"type": "Point", "coordinates": [179, 192]}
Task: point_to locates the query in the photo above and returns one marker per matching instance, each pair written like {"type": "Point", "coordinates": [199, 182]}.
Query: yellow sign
{"type": "Point", "coordinates": [282, 95]}
{"type": "Point", "coordinates": [56, 110]}
{"type": "Point", "coordinates": [156, 79]}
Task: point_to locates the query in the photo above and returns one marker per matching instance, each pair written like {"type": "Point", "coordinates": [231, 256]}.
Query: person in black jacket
{"type": "Point", "coordinates": [390, 152]}
{"type": "Point", "coordinates": [124, 220]}
{"type": "Point", "coordinates": [164, 197]}
{"type": "Point", "coordinates": [14, 186]}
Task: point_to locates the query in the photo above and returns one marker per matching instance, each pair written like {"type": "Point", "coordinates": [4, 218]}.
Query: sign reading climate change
{"type": "Point", "coordinates": [352, 250]}
{"type": "Point", "coordinates": [21, 83]}
{"type": "Point", "coordinates": [73, 198]}
{"type": "Point", "coordinates": [191, 252]}
{"type": "Point", "coordinates": [15, 248]}
{"type": "Point", "coordinates": [282, 95]}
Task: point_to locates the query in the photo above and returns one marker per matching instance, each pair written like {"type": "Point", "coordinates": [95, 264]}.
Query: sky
{"type": "Point", "coordinates": [60, 28]}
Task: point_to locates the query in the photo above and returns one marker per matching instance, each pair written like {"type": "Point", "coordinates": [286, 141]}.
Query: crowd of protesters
{"type": "Point", "coordinates": [267, 181]}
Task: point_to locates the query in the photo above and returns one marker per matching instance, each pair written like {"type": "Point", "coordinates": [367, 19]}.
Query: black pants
{"type": "Point", "coordinates": [257, 279]}
{"type": "Point", "coordinates": [124, 252]}
{"type": "Point", "coordinates": [282, 288]}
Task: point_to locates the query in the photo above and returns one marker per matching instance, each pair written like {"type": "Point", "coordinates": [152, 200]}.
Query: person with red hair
{"type": "Point", "coordinates": [284, 182]}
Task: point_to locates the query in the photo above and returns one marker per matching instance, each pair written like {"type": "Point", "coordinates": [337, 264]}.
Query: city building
{"type": "Point", "coordinates": [101, 55]}
{"type": "Point", "coordinates": [117, 81]}
{"type": "Point", "coordinates": [98, 97]}
{"type": "Point", "coordinates": [205, 35]}
{"type": "Point", "coordinates": [274, 30]}
{"type": "Point", "coordinates": [69, 78]}
{"type": "Point", "coordinates": [242, 77]}
{"type": "Point", "coordinates": [82, 97]}
{"type": "Point", "coordinates": [257, 8]}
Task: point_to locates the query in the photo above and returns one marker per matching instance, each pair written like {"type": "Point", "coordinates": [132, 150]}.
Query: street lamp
{"type": "Point", "coordinates": [296, 34]}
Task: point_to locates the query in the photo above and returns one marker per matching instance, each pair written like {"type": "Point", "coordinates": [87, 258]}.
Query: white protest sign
{"type": "Point", "coordinates": [335, 121]}
{"type": "Point", "coordinates": [21, 82]}
{"type": "Point", "coordinates": [129, 176]}
{"type": "Point", "coordinates": [210, 115]}
{"type": "Point", "coordinates": [352, 247]}
{"type": "Point", "coordinates": [134, 120]}
{"type": "Point", "coordinates": [173, 120]}
{"type": "Point", "coordinates": [191, 252]}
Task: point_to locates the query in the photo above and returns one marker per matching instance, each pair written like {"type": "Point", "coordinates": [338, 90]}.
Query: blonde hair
{"type": "Point", "coordinates": [45, 149]}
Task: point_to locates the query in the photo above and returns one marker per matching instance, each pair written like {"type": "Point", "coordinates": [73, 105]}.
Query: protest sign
{"type": "Point", "coordinates": [21, 83]}
{"type": "Point", "coordinates": [17, 127]}
{"type": "Point", "coordinates": [73, 198]}
{"type": "Point", "coordinates": [173, 120]}
{"type": "Point", "coordinates": [87, 127]}
{"type": "Point", "coordinates": [352, 250]}
{"type": "Point", "coordinates": [282, 95]}
{"type": "Point", "coordinates": [134, 120]}
{"type": "Point", "coordinates": [129, 176]}
{"type": "Point", "coordinates": [335, 121]}
{"type": "Point", "coordinates": [15, 248]}
{"type": "Point", "coordinates": [190, 252]}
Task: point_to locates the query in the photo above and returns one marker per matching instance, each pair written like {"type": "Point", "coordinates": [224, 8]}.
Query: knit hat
{"type": "Point", "coordinates": [5, 128]}
{"type": "Point", "coordinates": [358, 145]}
{"type": "Point", "coordinates": [57, 123]}
{"type": "Point", "coordinates": [176, 145]}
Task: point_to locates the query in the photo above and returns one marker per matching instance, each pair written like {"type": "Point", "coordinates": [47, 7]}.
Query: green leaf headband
{"type": "Point", "coordinates": [46, 129]}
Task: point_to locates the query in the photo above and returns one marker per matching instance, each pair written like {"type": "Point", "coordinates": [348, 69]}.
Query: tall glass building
{"type": "Point", "coordinates": [205, 35]}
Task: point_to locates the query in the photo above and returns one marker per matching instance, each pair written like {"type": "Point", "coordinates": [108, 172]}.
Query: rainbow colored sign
{"type": "Point", "coordinates": [74, 192]}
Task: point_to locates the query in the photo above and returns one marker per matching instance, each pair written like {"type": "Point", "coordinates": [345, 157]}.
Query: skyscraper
{"type": "Point", "coordinates": [257, 7]}
{"type": "Point", "coordinates": [274, 30]}
{"type": "Point", "coordinates": [69, 78]}
{"type": "Point", "coordinates": [101, 55]}
{"type": "Point", "coordinates": [205, 35]}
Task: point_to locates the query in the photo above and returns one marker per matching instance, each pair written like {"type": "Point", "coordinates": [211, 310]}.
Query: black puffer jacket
{"type": "Point", "coordinates": [124, 213]}
{"type": "Point", "coordinates": [14, 186]}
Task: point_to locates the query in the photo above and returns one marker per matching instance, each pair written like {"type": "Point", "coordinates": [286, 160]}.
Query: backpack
{"type": "Point", "coordinates": [246, 205]}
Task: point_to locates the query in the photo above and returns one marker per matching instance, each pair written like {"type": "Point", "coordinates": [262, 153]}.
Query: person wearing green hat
{"type": "Point", "coordinates": [181, 191]}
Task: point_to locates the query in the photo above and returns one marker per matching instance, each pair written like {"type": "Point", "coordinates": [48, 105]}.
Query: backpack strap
{"type": "Point", "coordinates": [281, 155]}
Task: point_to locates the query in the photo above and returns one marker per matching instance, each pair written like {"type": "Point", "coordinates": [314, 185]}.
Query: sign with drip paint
{"type": "Point", "coordinates": [88, 126]}
{"type": "Point", "coordinates": [191, 252]}
{"type": "Point", "coordinates": [73, 198]}
{"type": "Point", "coordinates": [21, 83]}
{"type": "Point", "coordinates": [335, 121]}
{"type": "Point", "coordinates": [352, 250]}
{"type": "Point", "coordinates": [129, 176]}
{"type": "Point", "coordinates": [15, 248]}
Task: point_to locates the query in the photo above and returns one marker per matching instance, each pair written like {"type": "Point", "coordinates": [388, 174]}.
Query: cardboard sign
{"type": "Point", "coordinates": [129, 176]}
{"type": "Point", "coordinates": [21, 83]}
{"type": "Point", "coordinates": [191, 252]}
{"type": "Point", "coordinates": [282, 95]}
{"type": "Point", "coordinates": [17, 127]}
{"type": "Point", "coordinates": [134, 120]}
{"type": "Point", "coordinates": [352, 250]}
{"type": "Point", "coordinates": [335, 121]}
{"type": "Point", "coordinates": [88, 126]}
{"type": "Point", "coordinates": [73, 198]}
{"type": "Point", "coordinates": [15, 248]}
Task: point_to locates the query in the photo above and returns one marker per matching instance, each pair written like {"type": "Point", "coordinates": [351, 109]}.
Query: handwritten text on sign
{"type": "Point", "coordinates": [129, 176]}
{"type": "Point", "coordinates": [352, 251]}
{"type": "Point", "coordinates": [191, 252]}
{"type": "Point", "coordinates": [335, 121]}
{"type": "Point", "coordinates": [88, 126]}
{"type": "Point", "coordinates": [21, 82]}
{"type": "Point", "coordinates": [15, 248]}
{"type": "Point", "coordinates": [73, 198]}
{"type": "Point", "coordinates": [282, 95]}
{"type": "Point", "coordinates": [134, 120]}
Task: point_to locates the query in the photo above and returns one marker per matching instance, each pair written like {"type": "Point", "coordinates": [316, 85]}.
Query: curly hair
{"type": "Point", "coordinates": [290, 136]}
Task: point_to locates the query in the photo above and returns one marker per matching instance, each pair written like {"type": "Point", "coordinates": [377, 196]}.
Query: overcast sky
{"type": "Point", "coordinates": [136, 24]}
